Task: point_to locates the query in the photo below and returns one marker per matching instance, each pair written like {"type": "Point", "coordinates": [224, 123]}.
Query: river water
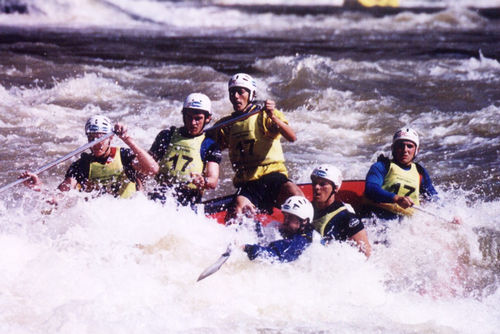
{"type": "Point", "coordinates": [346, 80]}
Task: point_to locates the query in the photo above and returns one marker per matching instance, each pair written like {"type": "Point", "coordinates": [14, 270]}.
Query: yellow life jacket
{"type": "Point", "coordinates": [321, 222]}
{"type": "Point", "coordinates": [253, 150]}
{"type": "Point", "coordinates": [182, 158]}
{"type": "Point", "coordinates": [403, 183]}
{"type": "Point", "coordinates": [111, 176]}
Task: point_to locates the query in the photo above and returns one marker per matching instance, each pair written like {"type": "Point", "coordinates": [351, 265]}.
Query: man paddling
{"type": "Point", "coordinates": [188, 160]}
{"type": "Point", "coordinates": [107, 169]}
{"type": "Point", "coordinates": [255, 151]}
{"type": "Point", "coordinates": [333, 219]}
{"type": "Point", "coordinates": [296, 231]}
{"type": "Point", "coordinates": [394, 186]}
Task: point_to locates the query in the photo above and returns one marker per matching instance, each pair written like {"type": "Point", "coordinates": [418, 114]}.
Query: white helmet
{"type": "Point", "coordinates": [299, 206]}
{"type": "Point", "coordinates": [246, 81]}
{"type": "Point", "coordinates": [198, 101]}
{"type": "Point", "coordinates": [98, 124]}
{"type": "Point", "coordinates": [406, 134]}
{"type": "Point", "coordinates": [330, 173]}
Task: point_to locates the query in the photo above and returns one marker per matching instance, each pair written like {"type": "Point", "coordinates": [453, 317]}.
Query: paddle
{"type": "Point", "coordinates": [259, 108]}
{"type": "Point", "coordinates": [217, 264]}
{"type": "Point", "coordinates": [434, 215]}
{"type": "Point", "coordinates": [58, 161]}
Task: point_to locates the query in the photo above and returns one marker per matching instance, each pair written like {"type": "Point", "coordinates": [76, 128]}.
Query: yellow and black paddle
{"type": "Point", "coordinates": [259, 107]}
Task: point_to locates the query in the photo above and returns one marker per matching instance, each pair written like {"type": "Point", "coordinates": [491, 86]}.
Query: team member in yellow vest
{"type": "Point", "coordinates": [332, 218]}
{"type": "Point", "coordinates": [255, 150]}
{"type": "Point", "coordinates": [394, 186]}
{"type": "Point", "coordinates": [107, 169]}
{"type": "Point", "coordinates": [189, 161]}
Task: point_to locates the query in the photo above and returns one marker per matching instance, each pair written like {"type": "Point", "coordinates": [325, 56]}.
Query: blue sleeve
{"type": "Point", "coordinates": [427, 190]}
{"type": "Point", "coordinates": [374, 182]}
{"type": "Point", "coordinates": [210, 151]}
{"type": "Point", "coordinates": [285, 250]}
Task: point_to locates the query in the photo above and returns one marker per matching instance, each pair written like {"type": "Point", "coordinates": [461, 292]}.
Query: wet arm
{"type": "Point", "coordinates": [278, 123]}
{"type": "Point", "coordinates": [284, 129]}
{"type": "Point", "coordinates": [144, 162]}
{"type": "Point", "coordinates": [33, 182]}
{"type": "Point", "coordinates": [361, 239]}
{"type": "Point", "coordinates": [428, 192]}
{"type": "Point", "coordinates": [209, 178]}
{"type": "Point", "coordinates": [211, 175]}
{"type": "Point", "coordinates": [346, 226]}
{"type": "Point", "coordinates": [211, 154]}
{"type": "Point", "coordinates": [68, 184]}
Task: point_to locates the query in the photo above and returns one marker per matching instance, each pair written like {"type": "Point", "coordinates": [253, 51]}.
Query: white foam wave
{"type": "Point", "coordinates": [191, 17]}
{"type": "Point", "coordinates": [70, 13]}
{"type": "Point", "coordinates": [40, 107]}
{"type": "Point", "coordinates": [402, 3]}
{"type": "Point", "coordinates": [131, 266]}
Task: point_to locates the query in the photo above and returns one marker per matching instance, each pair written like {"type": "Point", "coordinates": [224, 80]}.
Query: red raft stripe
{"type": "Point", "coordinates": [350, 192]}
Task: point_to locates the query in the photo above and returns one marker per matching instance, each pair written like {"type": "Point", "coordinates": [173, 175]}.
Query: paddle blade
{"type": "Point", "coordinates": [216, 266]}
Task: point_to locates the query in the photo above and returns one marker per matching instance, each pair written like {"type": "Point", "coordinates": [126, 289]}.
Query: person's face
{"type": "Point", "coordinates": [322, 189]}
{"type": "Point", "coordinates": [239, 97]}
{"type": "Point", "coordinates": [99, 149]}
{"type": "Point", "coordinates": [194, 121]}
{"type": "Point", "coordinates": [291, 224]}
{"type": "Point", "coordinates": [404, 152]}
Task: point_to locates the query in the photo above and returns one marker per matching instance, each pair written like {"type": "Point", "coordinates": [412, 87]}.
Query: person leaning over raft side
{"type": "Point", "coordinates": [332, 218]}
{"type": "Point", "coordinates": [394, 186]}
{"type": "Point", "coordinates": [189, 161]}
{"type": "Point", "coordinates": [107, 169]}
{"type": "Point", "coordinates": [296, 231]}
{"type": "Point", "coordinates": [255, 150]}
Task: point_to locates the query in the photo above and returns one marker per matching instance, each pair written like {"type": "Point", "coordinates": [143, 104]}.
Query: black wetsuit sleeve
{"type": "Point", "coordinates": [127, 156]}
{"type": "Point", "coordinates": [160, 145]}
{"type": "Point", "coordinates": [79, 170]}
{"type": "Point", "coordinates": [343, 226]}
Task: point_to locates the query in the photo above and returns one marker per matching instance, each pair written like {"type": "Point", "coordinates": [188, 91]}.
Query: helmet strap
{"type": "Point", "coordinates": [331, 194]}
{"type": "Point", "coordinates": [334, 191]}
{"type": "Point", "coordinates": [108, 151]}
{"type": "Point", "coordinates": [303, 224]}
